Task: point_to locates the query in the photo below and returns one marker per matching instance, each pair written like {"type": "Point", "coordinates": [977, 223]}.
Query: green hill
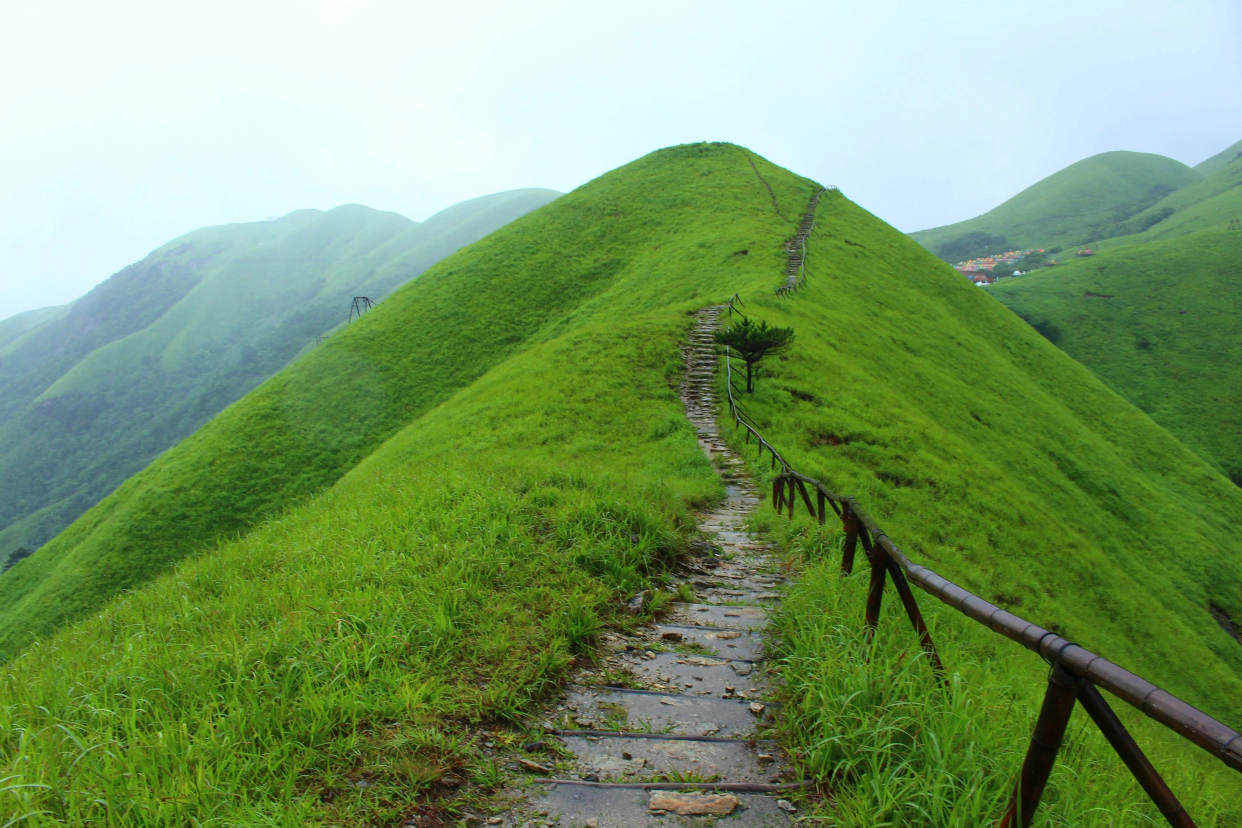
{"type": "Point", "coordinates": [458, 491]}
{"type": "Point", "coordinates": [1082, 203]}
{"type": "Point", "coordinates": [1220, 159]}
{"type": "Point", "coordinates": [1212, 203]}
{"type": "Point", "coordinates": [13, 327]}
{"type": "Point", "coordinates": [91, 392]}
{"type": "Point", "coordinates": [1161, 324]}
{"type": "Point", "coordinates": [1167, 338]}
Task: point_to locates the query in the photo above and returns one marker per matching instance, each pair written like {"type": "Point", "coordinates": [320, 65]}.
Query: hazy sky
{"type": "Point", "coordinates": [124, 125]}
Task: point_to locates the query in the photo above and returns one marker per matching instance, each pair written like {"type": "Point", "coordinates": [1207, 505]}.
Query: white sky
{"type": "Point", "coordinates": [124, 125]}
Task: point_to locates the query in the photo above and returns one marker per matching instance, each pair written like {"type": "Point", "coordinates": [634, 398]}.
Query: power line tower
{"type": "Point", "coordinates": [1235, 224]}
{"type": "Point", "coordinates": [319, 338]}
{"type": "Point", "coordinates": [361, 305]}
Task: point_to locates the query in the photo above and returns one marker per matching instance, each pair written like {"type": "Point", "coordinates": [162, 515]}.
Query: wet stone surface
{"type": "Point", "coordinates": [695, 704]}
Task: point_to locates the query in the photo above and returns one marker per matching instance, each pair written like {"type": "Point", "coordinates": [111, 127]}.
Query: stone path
{"type": "Point", "coordinates": [679, 712]}
{"type": "Point", "coordinates": [794, 266]}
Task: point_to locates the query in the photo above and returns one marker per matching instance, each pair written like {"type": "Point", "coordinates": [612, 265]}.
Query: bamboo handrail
{"type": "Point", "coordinates": [887, 560]}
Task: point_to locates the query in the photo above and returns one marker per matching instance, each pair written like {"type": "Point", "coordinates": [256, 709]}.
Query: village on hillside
{"type": "Point", "coordinates": [981, 271]}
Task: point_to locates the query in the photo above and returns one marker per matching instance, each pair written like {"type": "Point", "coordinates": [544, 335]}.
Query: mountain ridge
{"type": "Point", "coordinates": [92, 393]}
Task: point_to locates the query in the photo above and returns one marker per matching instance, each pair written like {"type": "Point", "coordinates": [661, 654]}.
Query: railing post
{"type": "Point", "coordinates": [916, 618]}
{"type": "Point", "coordinates": [823, 511]}
{"type": "Point", "coordinates": [790, 496]}
{"type": "Point", "coordinates": [850, 524]}
{"type": "Point", "coordinates": [1054, 717]}
{"type": "Point", "coordinates": [777, 487]}
{"type": "Point", "coordinates": [875, 591]}
{"type": "Point", "coordinates": [1129, 751]}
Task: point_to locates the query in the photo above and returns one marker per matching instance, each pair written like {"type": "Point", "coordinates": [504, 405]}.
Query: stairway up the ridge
{"type": "Point", "coordinates": [684, 740]}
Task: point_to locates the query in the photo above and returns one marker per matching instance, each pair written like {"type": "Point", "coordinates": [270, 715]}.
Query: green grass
{"type": "Point", "coordinates": [991, 457]}
{"type": "Point", "coordinates": [1210, 204]}
{"type": "Point", "coordinates": [455, 494]}
{"type": "Point", "coordinates": [1220, 159]}
{"type": "Point", "coordinates": [90, 393]}
{"type": "Point", "coordinates": [1084, 202]}
{"type": "Point", "coordinates": [539, 277]}
{"type": "Point", "coordinates": [903, 750]}
{"type": "Point", "coordinates": [446, 579]}
{"type": "Point", "coordinates": [1167, 337]}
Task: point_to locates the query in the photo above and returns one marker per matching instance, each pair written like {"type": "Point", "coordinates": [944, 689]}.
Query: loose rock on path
{"type": "Point", "coordinates": [684, 741]}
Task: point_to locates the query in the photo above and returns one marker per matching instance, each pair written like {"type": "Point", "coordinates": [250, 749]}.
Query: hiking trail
{"type": "Point", "coordinates": [687, 736]}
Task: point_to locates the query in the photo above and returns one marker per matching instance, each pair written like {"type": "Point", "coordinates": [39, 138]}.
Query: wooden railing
{"type": "Point", "coordinates": [1077, 674]}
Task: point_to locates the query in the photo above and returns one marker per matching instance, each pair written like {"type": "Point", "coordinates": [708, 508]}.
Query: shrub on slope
{"type": "Point", "coordinates": [1159, 323]}
{"type": "Point", "coordinates": [1083, 202]}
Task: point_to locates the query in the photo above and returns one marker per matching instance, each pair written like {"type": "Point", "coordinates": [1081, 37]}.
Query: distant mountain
{"type": "Point", "coordinates": [1213, 202]}
{"type": "Point", "coordinates": [1161, 324]}
{"type": "Point", "coordinates": [91, 392]}
{"type": "Point", "coordinates": [1157, 312]}
{"type": "Point", "coordinates": [15, 326]}
{"type": "Point", "coordinates": [1220, 159]}
{"type": "Point", "coordinates": [1082, 203]}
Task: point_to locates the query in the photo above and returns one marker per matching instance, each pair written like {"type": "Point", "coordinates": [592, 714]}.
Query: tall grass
{"type": "Point", "coordinates": [347, 644]}
{"type": "Point", "coordinates": [890, 745]}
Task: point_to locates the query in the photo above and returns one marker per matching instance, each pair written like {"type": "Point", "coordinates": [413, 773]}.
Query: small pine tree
{"type": "Point", "coordinates": [751, 343]}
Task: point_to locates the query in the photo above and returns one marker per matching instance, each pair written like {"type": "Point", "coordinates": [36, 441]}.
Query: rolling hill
{"type": "Point", "coordinates": [91, 392]}
{"type": "Point", "coordinates": [419, 525]}
{"type": "Point", "coordinates": [1220, 159]}
{"type": "Point", "coordinates": [1155, 313]}
{"type": "Point", "coordinates": [1082, 203]}
{"type": "Point", "coordinates": [1212, 203]}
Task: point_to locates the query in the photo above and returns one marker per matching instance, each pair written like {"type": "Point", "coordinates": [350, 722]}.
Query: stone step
{"type": "Point", "coordinates": [655, 712]}
{"type": "Point", "coordinates": [728, 618]}
{"type": "Point", "coordinates": [694, 675]}
{"type": "Point", "coordinates": [606, 807]}
{"type": "Point", "coordinates": [741, 645]}
{"type": "Point", "coordinates": [641, 757]}
{"type": "Point", "coordinates": [708, 594]}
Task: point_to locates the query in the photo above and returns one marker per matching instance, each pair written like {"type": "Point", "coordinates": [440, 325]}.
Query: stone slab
{"type": "Point", "coordinates": [709, 761]}
{"type": "Point", "coordinates": [712, 615]}
{"type": "Point", "coordinates": [695, 675]}
{"type": "Point", "coordinates": [570, 806]}
{"type": "Point", "coordinates": [746, 645]}
{"type": "Point", "coordinates": [605, 709]}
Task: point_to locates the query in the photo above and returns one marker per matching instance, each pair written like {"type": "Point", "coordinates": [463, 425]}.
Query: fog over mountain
{"type": "Point", "coordinates": [125, 125]}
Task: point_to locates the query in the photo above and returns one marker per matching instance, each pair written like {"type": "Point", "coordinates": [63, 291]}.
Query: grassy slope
{"type": "Point", "coordinates": [186, 332]}
{"type": "Point", "coordinates": [1082, 202]}
{"type": "Point", "coordinates": [995, 459]}
{"type": "Point", "coordinates": [304, 429]}
{"type": "Point", "coordinates": [989, 456]}
{"type": "Point", "coordinates": [1169, 338]}
{"type": "Point", "coordinates": [450, 575]}
{"type": "Point", "coordinates": [1210, 204]}
{"type": "Point", "coordinates": [538, 465]}
{"type": "Point", "coordinates": [15, 326]}
{"type": "Point", "coordinates": [1220, 159]}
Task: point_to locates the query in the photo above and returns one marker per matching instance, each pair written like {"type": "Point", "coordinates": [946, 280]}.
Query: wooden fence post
{"type": "Point", "coordinates": [1133, 756]}
{"type": "Point", "coordinates": [916, 618]}
{"type": "Point", "coordinates": [1054, 717]}
{"type": "Point", "coordinates": [850, 524]}
{"type": "Point", "coordinates": [875, 590]}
